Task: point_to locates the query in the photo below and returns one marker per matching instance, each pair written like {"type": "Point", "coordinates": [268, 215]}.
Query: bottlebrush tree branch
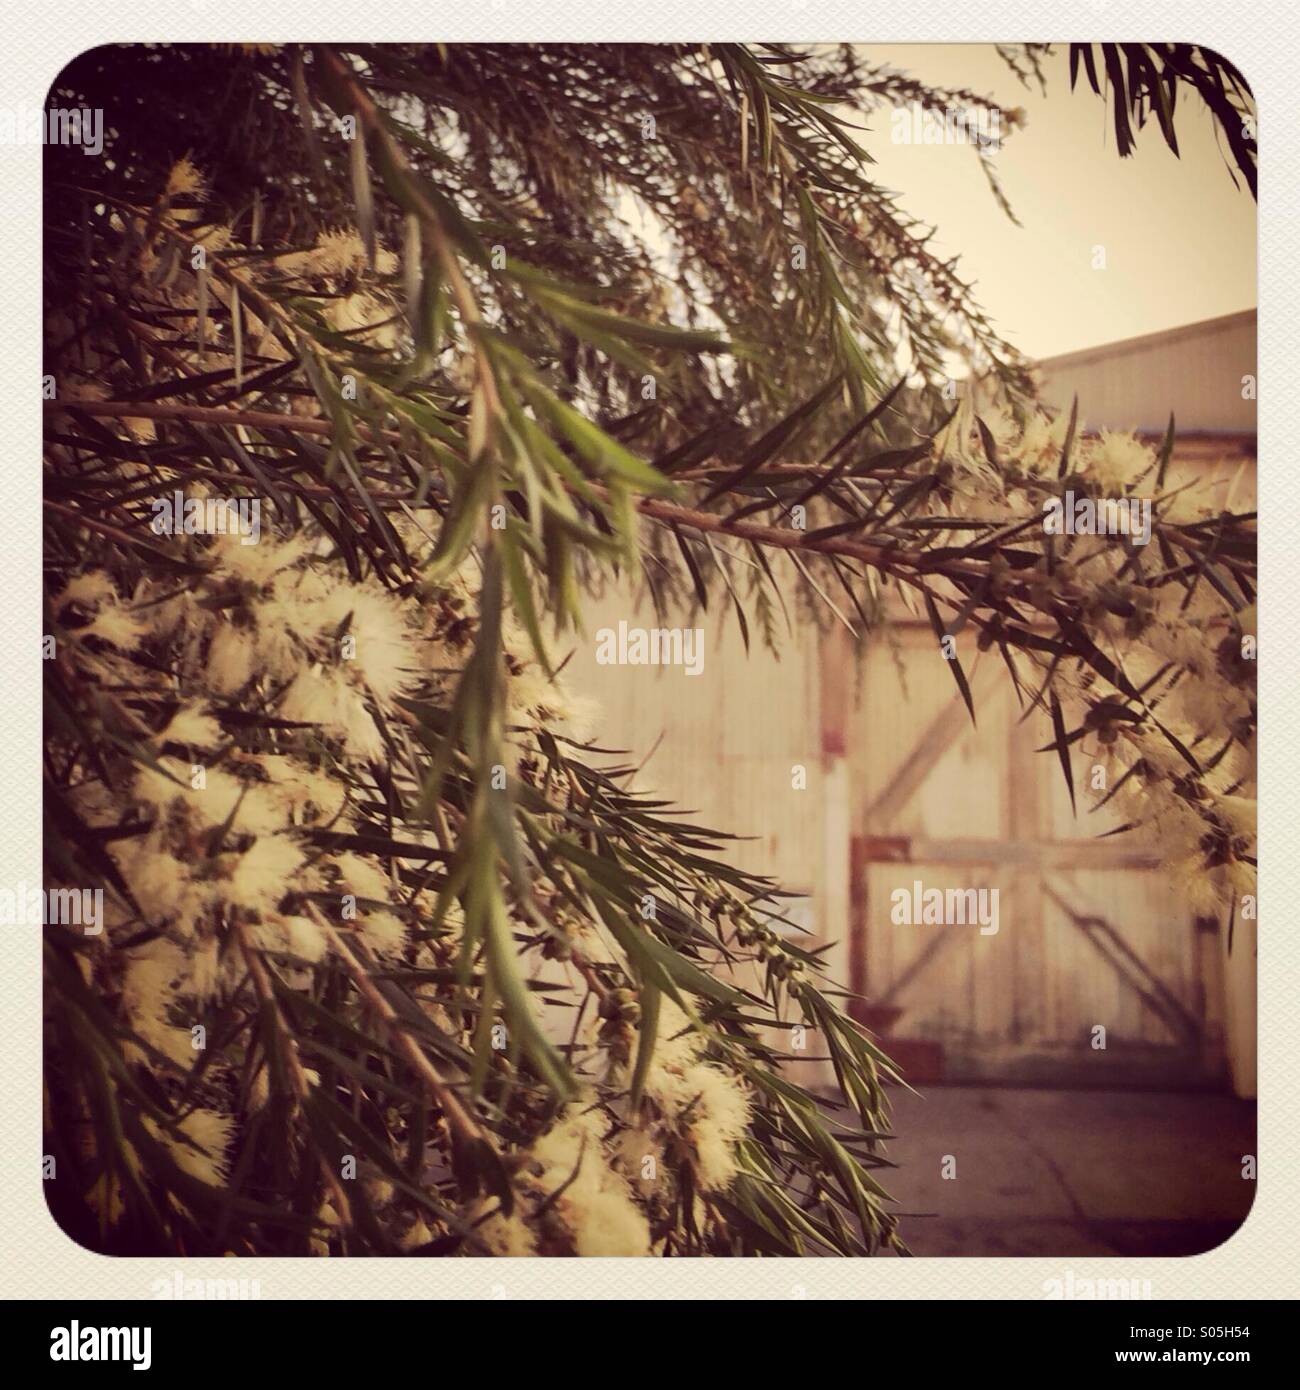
{"type": "Point", "coordinates": [338, 773]}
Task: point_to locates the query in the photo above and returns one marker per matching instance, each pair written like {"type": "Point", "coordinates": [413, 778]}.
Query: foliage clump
{"type": "Point", "coordinates": [395, 959]}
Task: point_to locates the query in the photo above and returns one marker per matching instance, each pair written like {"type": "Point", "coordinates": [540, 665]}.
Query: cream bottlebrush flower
{"type": "Point", "coordinates": [1176, 827]}
{"type": "Point", "coordinates": [1182, 643]}
{"type": "Point", "coordinates": [292, 628]}
{"type": "Point", "coordinates": [326, 1216]}
{"type": "Point", "coordinates": [337, 259]}
{"type": "Point", "coordinates": [306, 795]}
{"type": "Point", "coordinates": [206, 968]}
{"type": "Point", "coordinates": [218, 238]}
{"type": "Point", "coordinates": [163, 886]}
{"type": "Point", "coordinates": [709, 1109]}
{"type": "Point", "coordinates": [1116, 461]}
{"type": "Point", "coordinates": [1210, 704]}
{"type": "Point", "coordinates": [1233, 773]}
{"type": "Point", "coordinates": [385, 656]}
{"type": "Point", "coordinates": [361, 877]}
{"type": "Point", "coordinates": [156, 976]}
{"type": "Point", "coordinates": [118, 626]}
{"type": "Point", "coordinates": [329, 699]}
{"type": "Point", "coordinates": [535, 700]}
{"type": "Point", "coordinates": [1002, 425]}
{"type": "Point", "coordinates": [1240, 878]}
{"type": "Point", "coordinates": [280, 622]}
{"type": "Point", "coordinates": [504, 1235]}
{"type": "Point", "coordinates": [596, 1204]}
{"type": "Point", "coordinates": [302, 937]}
{"type": "Point", "coordinates": [705, 1105]}
{"type": "Point", "coordinates": [338, 254]}
{"type": "Point", "coordinates": [678, 1042]}
{"type": "Point", "coordinates": [1159, 753]}
{"type": "Point", "coordinates": [1204, 892]}
{"type": "Point", "coordinates": [88, 590]}
{"type": "Point", "coordinates": [528, 697]}
{"type": "Point", "coordinates": [1239, 814]}
{"type": "Point", "coordinates": [362, 643]}
{"type": "Point", "coordinates": [175, 618]}
{"type": "Point", "coordinates": [186, 180]}
{"type": "Point", "coordinates": [257, 564]}
{"type": "Point", "coordinates": [251, 806]}
{"type": "Point", "coordinates": [383, 932]}
{"type": "Point", "coordinates": [1040, 445]}
{"type": "Point", "coordinates": [232, 659]}
{"type": "Point", "coordinates": [365, 318]}
{"type": "Point", "coordinates": [264, 873]}
{"type": "Point", "coordinates": [202, 1151]}
{"type": "Point", "coordinates": [719, 1119]}
{"type": "Point", "coordinates": [639, 1156]}
{"type": "Point", "coordinates": [111, 620]}
{"type": "Point", "coordinates": [193, 727]}
{"type": "Point", "coordinates": [99, 805]}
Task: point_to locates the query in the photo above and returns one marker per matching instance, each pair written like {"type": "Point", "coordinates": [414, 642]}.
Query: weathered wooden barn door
{"type": "Point", "coordinates": [1096, 975]}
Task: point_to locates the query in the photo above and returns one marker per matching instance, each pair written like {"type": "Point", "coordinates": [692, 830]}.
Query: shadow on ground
{"type": "Point", "coordinates": [1041, 1172]}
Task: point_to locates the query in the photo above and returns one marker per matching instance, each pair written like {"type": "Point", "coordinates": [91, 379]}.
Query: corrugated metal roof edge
{"type": "Point", "coordinates": [1202, 328]}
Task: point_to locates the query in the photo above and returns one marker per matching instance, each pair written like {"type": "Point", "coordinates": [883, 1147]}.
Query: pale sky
{"type": "Point", "coordinates": [1179, 238]}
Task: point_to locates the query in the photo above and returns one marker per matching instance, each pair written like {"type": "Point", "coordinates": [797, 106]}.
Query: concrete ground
{"type": "Point", "coordinates": [1041, 1172]}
